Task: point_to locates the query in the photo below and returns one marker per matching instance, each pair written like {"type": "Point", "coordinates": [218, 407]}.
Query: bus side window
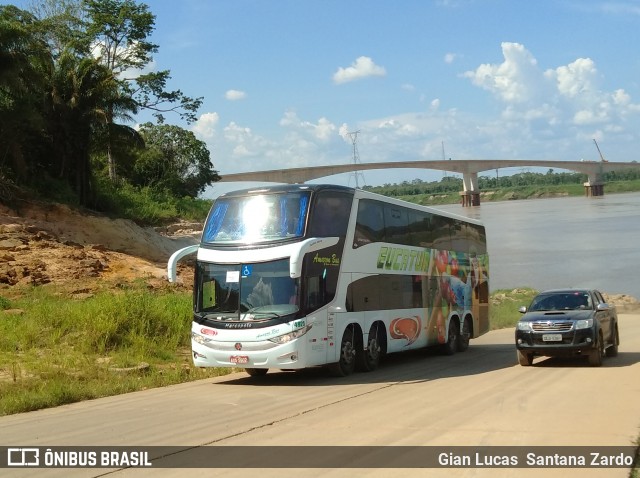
{"type": "Point", "coordinates": [369, 223]}
{"type": "Point", "coordinates": [330, 216]}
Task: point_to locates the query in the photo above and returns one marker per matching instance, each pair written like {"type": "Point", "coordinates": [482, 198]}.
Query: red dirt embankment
{"type": "Point", "coordinates": [47, 243]}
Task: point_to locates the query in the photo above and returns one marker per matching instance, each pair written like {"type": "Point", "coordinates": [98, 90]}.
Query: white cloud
{"type": "Point", "coordinates": [577, 78]}
{"type": "Point", "coordinates": [235, 95]}
{"type": "Point", "coordinates": [205, 127]}
{"type": "Point", "coordinates": [513, 80]}
{"type": "Point", "coordinates": [450, 58]}
{"type": "Point", "coordinates": [363, 67]}
{"type": "Point", "coordinates": [323, 130]}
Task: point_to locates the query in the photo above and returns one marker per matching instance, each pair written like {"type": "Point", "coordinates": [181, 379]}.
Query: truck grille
{"type": "Point", "coordinates": [552, 326]}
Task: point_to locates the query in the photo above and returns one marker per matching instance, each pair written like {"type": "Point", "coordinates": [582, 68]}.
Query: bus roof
{"type": "Point", "coordinates": [359, 193]}
{"type": "Point", "coordinates": [279, 188]}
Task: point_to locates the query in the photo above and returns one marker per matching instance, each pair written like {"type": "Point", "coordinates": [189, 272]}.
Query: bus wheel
{"type": "Point", "coordinates": [256, 372]}
{"type": "Point", "coordinates": [452, 338]}
{"type": "Point", "coordinates": [347, 363]}
{"type": "Point", "coordinates": [465, 335]}
{"type": "Point", "coordinates": [369, 359]}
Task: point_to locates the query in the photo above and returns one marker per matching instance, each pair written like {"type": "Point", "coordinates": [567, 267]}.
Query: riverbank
{"type": "Point", "coordinates": [508, 193]}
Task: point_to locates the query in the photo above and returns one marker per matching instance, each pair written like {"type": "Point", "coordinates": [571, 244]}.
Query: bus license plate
{"type": "Point", "coordinates": [239, 359]}
{"type": "Point", "coordinates": [552, 338]}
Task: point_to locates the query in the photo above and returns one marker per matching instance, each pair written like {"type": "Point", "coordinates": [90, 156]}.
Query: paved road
{"type": "Point", "coordinates": [477, 398]}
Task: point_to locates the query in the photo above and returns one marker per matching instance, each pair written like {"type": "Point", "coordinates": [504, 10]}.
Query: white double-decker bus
{"type": "Point", "coordinates": [297, 276]}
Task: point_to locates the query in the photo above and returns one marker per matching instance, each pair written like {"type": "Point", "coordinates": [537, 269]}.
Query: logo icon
{"type": "Point", "coordinates": [23, 457]}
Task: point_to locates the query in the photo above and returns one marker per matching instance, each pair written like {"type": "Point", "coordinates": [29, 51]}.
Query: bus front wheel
{"type": "Point", "coordinates": [256, 372]}
{"type": "Point", "coordinates": [347, 362]}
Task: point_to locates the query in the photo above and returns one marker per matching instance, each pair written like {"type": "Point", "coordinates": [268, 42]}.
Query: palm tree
{"type": "Point", "coordinates": [25, 63]}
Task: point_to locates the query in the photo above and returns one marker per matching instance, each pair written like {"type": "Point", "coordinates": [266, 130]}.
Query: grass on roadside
{"type": "Point", "coordinates": [60, 350]}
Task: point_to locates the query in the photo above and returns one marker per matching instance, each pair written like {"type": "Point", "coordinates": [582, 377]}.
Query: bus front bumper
{"type": "Point", "coordinates": [262, 354]}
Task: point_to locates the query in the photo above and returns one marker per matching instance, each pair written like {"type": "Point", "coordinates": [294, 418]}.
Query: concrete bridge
{"type": "Point", "coordinates": [469, 168]}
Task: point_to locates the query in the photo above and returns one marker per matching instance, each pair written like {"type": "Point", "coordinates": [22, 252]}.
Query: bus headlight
{"type": "Point", "coordinates": [199, 339]}
{"type": "Point", "coordinates": [283, 339]}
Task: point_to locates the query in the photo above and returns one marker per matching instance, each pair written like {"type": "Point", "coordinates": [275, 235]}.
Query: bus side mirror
{"type": "Point", "coordinates": [304, 247]}
{"type": "Point", "coordinates": [175, 257]}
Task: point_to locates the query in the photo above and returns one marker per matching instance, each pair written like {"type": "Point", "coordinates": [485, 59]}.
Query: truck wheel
{"type": "Point", "coordinates": [596, 354]}
{"type": "Point", "coordinates": [525, 359]}
{"type": "Point", "coordinates": [612, 351]}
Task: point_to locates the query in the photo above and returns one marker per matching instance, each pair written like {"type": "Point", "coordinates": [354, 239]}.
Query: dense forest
{"type": "Point", "coordinates": [72, 80]}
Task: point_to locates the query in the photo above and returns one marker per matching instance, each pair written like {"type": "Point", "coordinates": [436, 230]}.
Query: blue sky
{"type": "Point", "coordinates": [284, 80]}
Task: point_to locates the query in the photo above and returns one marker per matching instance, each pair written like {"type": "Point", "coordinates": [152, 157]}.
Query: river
{"type": "Point", "coordinates": [563, 242]}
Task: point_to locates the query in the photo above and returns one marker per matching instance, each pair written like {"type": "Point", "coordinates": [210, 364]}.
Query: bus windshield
{"type": "Point", "coordinates": [257, 218]}
{"type": "Point", "coordinates": [244, 292]}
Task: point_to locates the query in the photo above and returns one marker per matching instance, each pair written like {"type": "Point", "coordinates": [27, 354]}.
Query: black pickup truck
{"type": "Point", "coordinates": [567, 322]}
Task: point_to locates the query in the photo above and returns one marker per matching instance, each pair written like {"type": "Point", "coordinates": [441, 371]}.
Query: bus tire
{"type": "Point", "coordinates": [256, 372]}
{"type": "Point", "coordinates": [369, 358]}
{"type": "Point", "coordinates": [346, 364]}
{"type": "Point", "coordinates": [451, 346]}
{"type": "Point", "coordinates": [465, 335]}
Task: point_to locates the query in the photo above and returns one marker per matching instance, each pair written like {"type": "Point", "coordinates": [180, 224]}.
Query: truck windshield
{"type": "Point", "coordinates": [257, 218]}
{"type": "Point", "coordinates": [245, 291]}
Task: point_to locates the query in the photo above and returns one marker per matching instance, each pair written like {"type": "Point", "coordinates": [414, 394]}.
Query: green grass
{"type": "Point", "coordinates": [504, 305]}
{"type": "Point", "coordinates": [61, 350]}
{"type": "Point", "coordinates": [148, 206]}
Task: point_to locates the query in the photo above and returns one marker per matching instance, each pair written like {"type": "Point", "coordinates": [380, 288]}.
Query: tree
{"type": "Point", "coordinates": [82, 89]}
{"type": "Point", "coordinates": [118, 30]}
{"type": "Point", "coordinates": [174, 160]}
{"type": "Point", "coordinates": [25, 63]}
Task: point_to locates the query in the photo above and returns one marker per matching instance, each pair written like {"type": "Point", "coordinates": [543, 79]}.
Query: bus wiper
{"type": "Point", "coordinates": [254, 311]}
{"type": "Point", "coordinates": [220, 315]}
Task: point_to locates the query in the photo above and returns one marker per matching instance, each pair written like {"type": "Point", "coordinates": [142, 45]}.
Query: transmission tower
{"type": "Point", "coordinates": [356, 156]}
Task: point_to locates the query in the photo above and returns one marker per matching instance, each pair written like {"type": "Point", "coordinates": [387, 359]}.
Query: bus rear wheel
{"type": "Point", "coordinates": [453, 336]}
{"type": "Point", "coordinates": [346, 365]}
{"type": "Point", "coordinates": [465, 335]}
{"type": "Point", "coordinates": [369, 359]}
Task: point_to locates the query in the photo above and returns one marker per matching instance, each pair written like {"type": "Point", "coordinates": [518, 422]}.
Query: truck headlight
{"type": "Point", "coordinates": [584, 324]}
{"type": "Point", "coordinates": [524, 325]}
{"type": "Point", "coordinates": [283, 339]}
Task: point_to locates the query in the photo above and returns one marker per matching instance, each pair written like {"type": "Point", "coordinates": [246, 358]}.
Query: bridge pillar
{"type": "Point", "coordinates": [594, 186]}
{"type": "Point", "coordinates": [470, 196]}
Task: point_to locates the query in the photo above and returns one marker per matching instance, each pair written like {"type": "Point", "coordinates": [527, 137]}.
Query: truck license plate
{"type": "Point", "coordinates": [239, 359]}
{"type": "Point", "coordinates": [552, 338]}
